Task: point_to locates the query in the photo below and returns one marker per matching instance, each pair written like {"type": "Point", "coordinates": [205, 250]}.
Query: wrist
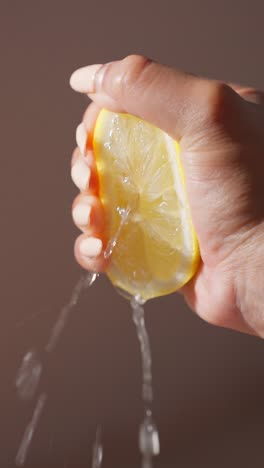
{"type": "Point", "coordinates": [249, 281]}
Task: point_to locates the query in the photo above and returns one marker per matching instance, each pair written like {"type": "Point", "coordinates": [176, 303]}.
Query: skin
{"type": "Point", "coordinates": [220, 128]}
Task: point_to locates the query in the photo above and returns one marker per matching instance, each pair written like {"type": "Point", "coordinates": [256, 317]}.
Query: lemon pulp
{"type": "Point", "coordinates": [140, 175]}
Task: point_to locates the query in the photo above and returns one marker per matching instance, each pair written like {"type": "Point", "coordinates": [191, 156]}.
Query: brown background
{"type": "Point", "coordinates": [209, 383]}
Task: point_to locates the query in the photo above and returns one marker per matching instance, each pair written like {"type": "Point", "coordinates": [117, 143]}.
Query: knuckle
{"type": "Point", "coordinates": [136, 72]}
{"type": "Point", "coordinates": [220, 100]}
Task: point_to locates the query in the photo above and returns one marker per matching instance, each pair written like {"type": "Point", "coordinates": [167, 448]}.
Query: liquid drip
{"type": "Point", "coordinates": [139, 321]}
{"type": "Point", "coordinates": [28, 375]}
{"type": "Point", "coordinates": [98, 449]}
{"type": "Point", "coordinates": [29, 432]}
{"type": "Point", "coordinates": [148, 437]}
{"type": "Point", "coordinates": [147, 461]}
{"type": "Point", "coordinates": [83, 283]}
{"type": "Point", "coordinates": [149, 444]}
{"type": "Point", "coordinates": [124, 214]}
{"type": "Point", "coordinates": [30, 371]}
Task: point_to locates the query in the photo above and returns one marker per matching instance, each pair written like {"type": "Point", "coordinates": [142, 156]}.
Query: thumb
{"type": "Point", "coordinates": [177, 102]}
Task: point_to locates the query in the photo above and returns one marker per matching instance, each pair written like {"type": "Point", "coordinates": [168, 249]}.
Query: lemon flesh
{"type": "Point", "coordinates": [141, 187]}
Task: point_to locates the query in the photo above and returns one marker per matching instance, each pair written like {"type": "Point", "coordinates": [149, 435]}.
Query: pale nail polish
{"type": "Point", "coordinates": [82, 80]}
{"type": "Point", "coordinates": [81, 214]}
{"type": "Point", "coordinates": [80, 174]}
{"type": "Point", "coordinates": [91, 247]}
{"type": "Point", "coordinates": [81, 138]}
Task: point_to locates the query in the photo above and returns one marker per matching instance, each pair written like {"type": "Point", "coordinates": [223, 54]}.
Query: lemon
{"type": "Point", "coordinates": [153, 246]}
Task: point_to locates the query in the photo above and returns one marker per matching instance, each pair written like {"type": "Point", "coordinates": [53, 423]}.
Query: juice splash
{"type": "Point", "coordinates": [30, 370]}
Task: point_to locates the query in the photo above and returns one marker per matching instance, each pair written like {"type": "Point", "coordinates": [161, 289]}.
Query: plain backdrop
{"type": "Point", "coordinates": [208, 382]}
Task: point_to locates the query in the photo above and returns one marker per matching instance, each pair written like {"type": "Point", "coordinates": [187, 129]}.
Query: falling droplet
{"type": "Point", "coordinates": [29, 432]}
{"type": "Point", "coordinates": [98, 449]}
{"type": "Point", "coordinates": [28, 375]}
{"type": "Point", "coordinates": [149, 444]}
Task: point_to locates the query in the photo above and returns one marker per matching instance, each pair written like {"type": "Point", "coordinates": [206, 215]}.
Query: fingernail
{"type": "Point", "coordinates": [80, 174]}
{"type": "Point", "coordinates": [88, 79]}
{"type": "Point", "coordinates": [81, 214]}
{"type": "Point", "coordinates": [91, 247]}
{"type": "Point", "coordinates": [83, 79]}
{"type": "Point", "coordinates": [81, 138]}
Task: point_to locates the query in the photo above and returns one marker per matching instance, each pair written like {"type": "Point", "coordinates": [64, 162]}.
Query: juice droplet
{"type": "Point", "coordinates": [28, 375]}
{"type": "Point", "coordinates": [98, 449]}
{"type": "Point", "coordinates": [149, 444]}
{"type": "Point", "coordinates": [124, 214]}
{"type": "Point", "coordinates": [30, 430]}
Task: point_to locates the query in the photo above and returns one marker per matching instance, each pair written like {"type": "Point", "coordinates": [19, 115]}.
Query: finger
{"type": "Point", "coordinates": [75, 156]}
{"type": "Point", "coordinates": [89, 253]}
{"type": "Point", "coordinates": [90, 116]}
{"type": "Point", "coordinates": [88, 214]}
{"type": "Point", "coordinates": [175, 101]}
{"type": "Point", "coordinates": [84, 172]}
{"type": "Point", "coordinates": [89, 121]}
{"type": "Point", "coordinates": [248, 93]}
{"type": "Point", "coordinates": [84, 131]}
{"type": "Point", "coordinates": [81, 137]}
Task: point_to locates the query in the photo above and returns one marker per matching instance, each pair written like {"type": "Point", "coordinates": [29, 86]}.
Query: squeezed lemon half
{"type": "Point", "coordinates": [153, 246]}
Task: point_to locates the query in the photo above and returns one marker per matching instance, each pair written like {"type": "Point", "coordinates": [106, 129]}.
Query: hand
{"type": "Point", "coordinates": [220, 128]}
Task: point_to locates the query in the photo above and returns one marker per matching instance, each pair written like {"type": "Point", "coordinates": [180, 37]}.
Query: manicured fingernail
{"type": "Point", "coordinates": [91, 247]}
{"type": "Point", "coordinates": [81, 214]}
{"type": "Point", "coordinates": [81, 138]}
{"type": "Point", "coordinates": [83, 79]}
{"type": "Point", "coordinates": [88, 79]}
{"type": "Point", "coordinates": [80, 174]}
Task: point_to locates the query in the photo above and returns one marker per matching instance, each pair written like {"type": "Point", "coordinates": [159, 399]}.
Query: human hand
{"type": "Point", "coordinates": [220, 129]}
